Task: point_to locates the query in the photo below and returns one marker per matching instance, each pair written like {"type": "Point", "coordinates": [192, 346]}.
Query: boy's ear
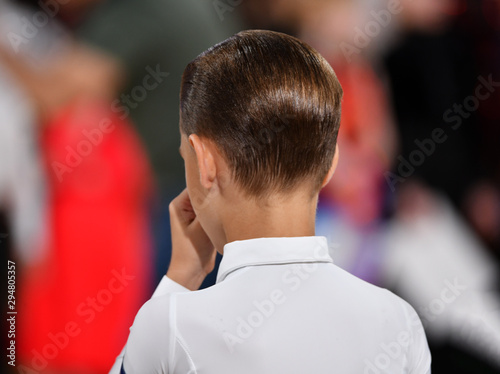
{"type": "Point", "coordinates": [335, 162]}
{"type": "Point", "coordinates": [205, 159]}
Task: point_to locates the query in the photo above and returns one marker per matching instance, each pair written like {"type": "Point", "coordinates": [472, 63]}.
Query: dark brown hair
{"type": "Point", "coordinates": [270, 103]}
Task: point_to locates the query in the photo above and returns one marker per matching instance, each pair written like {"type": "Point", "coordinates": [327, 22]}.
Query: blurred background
{"type": "Point", "coordinates": [89, 162]}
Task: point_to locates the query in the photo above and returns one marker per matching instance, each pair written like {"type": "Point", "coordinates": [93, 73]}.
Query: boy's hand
{"type": "Point", "coordinates": [193, 255]}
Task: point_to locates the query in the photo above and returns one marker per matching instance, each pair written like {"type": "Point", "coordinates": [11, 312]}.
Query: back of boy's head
{"type": "Point", "coordinates": [271, 104]}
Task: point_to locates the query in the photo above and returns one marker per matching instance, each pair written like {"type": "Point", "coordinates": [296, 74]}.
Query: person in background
{"type": "Point", "coordinates": [23, 205]}
{"type": "Point", "coordinates": [448, 203]}
{"type": "Point", "coordinates": [351, 207]}
{"type": "Point", "coordinates": [96, 265]}
{"type": "Point", "coordinates": [156, 38]}
{"type": "Point", "coordinates": [429, 71]}
{"type": "Point", "coordinates": [478, 24]}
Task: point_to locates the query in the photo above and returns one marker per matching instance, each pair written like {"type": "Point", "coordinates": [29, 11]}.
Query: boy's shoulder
{"type": "Point", "coordinates": [375, 296]}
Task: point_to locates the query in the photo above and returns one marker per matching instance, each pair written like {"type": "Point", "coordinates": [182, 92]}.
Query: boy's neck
{"type": "Point", "coordinates": [290, 216]}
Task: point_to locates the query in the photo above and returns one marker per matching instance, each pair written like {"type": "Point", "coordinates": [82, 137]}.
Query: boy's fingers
{"type": "Point", "coordinates": [178, 202]}
{"type": "Point", "coordinates": [181, 207]}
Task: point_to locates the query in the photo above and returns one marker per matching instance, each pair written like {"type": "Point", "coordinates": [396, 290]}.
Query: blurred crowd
{"type": "Point", "coordinates": [89, 161]}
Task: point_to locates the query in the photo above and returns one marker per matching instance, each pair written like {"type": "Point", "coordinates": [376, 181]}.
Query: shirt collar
{"type": "Point", "coordinates": [268, 251]}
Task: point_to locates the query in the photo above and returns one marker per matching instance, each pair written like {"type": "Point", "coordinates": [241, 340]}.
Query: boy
{"type": "Point", "coordinates": [260, 114]}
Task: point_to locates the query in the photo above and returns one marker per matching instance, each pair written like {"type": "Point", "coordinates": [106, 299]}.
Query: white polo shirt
{"type": "Point", "coordinates": [280, 305]}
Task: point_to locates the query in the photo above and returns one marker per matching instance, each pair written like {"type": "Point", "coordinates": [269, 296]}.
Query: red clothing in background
{"type": "Point", "coordinates": [77, 306]}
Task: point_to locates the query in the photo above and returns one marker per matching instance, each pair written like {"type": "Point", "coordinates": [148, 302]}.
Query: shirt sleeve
{"type": "Point", "coordinates": [148, 344]}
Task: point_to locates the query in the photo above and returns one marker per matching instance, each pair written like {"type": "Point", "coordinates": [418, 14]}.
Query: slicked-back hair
{"type": "Point", "coordinates": [271, 104]}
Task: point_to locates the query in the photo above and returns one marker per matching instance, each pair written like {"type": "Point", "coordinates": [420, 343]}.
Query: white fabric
{"type": "Point", "coordinates": [22, 184]}
{"type": "Point", "coordinates": [21, 180]}
{"type": "Point", "coordinates": [280, 305]}
{"type": "Point", "coordinates": [439, 265]}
